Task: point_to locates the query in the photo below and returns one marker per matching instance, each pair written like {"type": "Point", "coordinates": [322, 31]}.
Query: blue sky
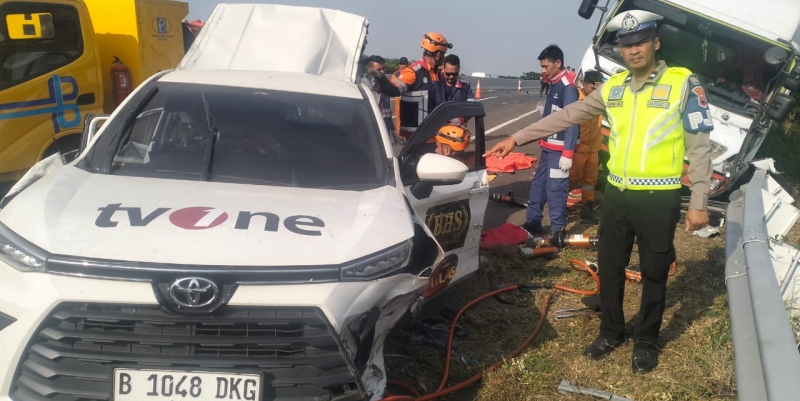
{"type": "Point", "coordinates": [498, 37]}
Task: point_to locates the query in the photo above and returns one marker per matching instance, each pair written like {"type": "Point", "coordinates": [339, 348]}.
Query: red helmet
{"type": "Point", "coordinates": [435, 42]}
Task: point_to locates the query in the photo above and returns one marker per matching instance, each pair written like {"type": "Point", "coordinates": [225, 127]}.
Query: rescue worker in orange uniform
{"type": "Point", "coordinates": [418, 85]}
{"type": "Point", "coordinates": [585, 166]}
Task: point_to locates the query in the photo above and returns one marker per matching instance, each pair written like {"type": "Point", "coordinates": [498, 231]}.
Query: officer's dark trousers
{"type": "Point", "coordinates": [650, 217]}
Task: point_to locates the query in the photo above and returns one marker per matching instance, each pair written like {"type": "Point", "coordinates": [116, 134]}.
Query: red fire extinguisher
{"type": "Point", "coordinates": [120, 81]}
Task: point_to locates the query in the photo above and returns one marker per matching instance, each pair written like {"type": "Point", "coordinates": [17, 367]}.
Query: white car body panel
{"type": "Point", "coordinates": [60, 215]}
{"type": "Point", "coordinates": [31, 296]}
{"type": "Point", "coordinates": [270, 37]}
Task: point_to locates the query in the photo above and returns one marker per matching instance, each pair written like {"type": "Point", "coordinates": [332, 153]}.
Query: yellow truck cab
{"type": "Point", "coordinates": [55, 68]}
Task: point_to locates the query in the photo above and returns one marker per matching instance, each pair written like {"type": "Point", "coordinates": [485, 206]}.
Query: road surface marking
{"type": "Point", "coordinates": [511, 121]}
{"type": "Point", "coordinates": [487, 98]}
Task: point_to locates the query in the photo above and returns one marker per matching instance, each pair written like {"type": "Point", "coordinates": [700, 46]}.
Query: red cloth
{"type": "Point", "coordinates": [512, 161]}
{"type": "Point", "coordinates": [507, 234]}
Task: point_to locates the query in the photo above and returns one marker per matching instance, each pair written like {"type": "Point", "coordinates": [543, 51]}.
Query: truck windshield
{"type": "Point", "coordinates": [732, 71]}
{"type": "Point", "coordinates": [253, 136]}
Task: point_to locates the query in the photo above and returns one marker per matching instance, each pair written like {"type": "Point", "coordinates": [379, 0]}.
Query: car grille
{"type": "Point", "coordinates": [74, 352]}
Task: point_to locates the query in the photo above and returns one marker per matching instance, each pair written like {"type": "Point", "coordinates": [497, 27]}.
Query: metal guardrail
{"type": "Point", "coordinates": [767, 361]}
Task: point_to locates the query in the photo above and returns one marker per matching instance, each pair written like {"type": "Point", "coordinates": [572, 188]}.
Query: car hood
{"type": "Point", "coordinates": [76, 213]}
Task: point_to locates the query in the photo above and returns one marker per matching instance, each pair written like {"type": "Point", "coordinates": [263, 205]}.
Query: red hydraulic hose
{"type": "Point", "coordinates": [575, 264]}
{"type": "Point", "coordinates": [441, 391]}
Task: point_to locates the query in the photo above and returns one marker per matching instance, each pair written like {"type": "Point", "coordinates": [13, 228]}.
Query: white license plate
{"type": "Point", "coordinates": [166, 385]}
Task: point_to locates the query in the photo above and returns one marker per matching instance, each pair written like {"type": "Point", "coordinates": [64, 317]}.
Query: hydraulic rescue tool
{"type": "Point", "coordinates": [509, 199]}
{"type": "Point", "coordinates": [561, 240]}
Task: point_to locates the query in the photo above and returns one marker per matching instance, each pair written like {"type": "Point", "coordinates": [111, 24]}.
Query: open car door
{"type": "Point", "coordinates": [453, 211]}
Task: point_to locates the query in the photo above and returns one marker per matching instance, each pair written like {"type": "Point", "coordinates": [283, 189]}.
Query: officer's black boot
{"type": "Point", "coordinates": [601, 347]}
{"type": "Point", "coordinates": [645, 357]}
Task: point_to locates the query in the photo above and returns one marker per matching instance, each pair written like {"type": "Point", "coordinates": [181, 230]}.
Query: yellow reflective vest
{"type": "Point", "coordinates": [646, 144]}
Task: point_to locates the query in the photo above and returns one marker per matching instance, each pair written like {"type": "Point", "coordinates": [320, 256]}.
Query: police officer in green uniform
{"type": "Point", "coordinates": [657, 115]}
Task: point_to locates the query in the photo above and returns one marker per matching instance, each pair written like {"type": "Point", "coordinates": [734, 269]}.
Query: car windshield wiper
{"type": "Point", "coordinates": [213, 136]}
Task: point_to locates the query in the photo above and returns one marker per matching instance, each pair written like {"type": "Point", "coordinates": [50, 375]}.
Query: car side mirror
{"type": "Point", "coordinates": [91, 124]}
{"type": "Point", "coordinates": [780, 107]}
{"type": "Point", "coordinates": [434, 169]}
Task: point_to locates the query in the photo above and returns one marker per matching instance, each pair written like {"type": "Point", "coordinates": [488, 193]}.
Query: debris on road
{"type": "Point", "coordinates": [432, 332]}
{"type": "Point", "coordinates": [567, 387]}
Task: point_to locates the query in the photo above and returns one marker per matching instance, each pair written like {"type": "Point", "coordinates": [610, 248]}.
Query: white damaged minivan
{"type": "Point", "coordinates": [239, 228]}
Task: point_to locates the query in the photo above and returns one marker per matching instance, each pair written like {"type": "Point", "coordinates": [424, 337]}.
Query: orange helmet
{"type": "Point", "coordinates": [455, 136]}
{"type": "Point", "coordinates": [435, 42]}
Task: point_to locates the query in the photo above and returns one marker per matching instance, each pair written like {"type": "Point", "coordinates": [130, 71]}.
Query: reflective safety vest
{"type": "Point", "coordinates": [646, 144]}
{"type": "Point", "coordinates": [420, 99]}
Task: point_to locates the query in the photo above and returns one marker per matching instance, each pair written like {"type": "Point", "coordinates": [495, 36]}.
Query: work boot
{"type": "Point", "coordinates": [588, 213]}
{"type": "Point", "coordinates": [645, 358]}
{"type": "Point", "coordinates": [602, 347]}
{"type": "Point", "coordinates": [534, 229]}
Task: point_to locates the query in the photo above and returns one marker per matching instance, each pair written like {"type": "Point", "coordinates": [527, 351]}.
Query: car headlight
{"type": "Point", "coordinates": [717, 150]}
{"type": "Point", "coordinates": [379, 264]}
{"type": "Point", "coordinates": [19, 253]}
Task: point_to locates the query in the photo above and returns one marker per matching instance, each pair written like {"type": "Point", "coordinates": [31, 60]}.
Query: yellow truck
{"type": "Point", "coordinates": [56, 60]}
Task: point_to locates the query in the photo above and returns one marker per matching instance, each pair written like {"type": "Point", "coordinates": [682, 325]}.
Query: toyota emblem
{"type": "Point", "coordinates": [193, 292]}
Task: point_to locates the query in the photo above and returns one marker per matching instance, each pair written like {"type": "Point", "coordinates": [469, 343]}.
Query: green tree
{"type": "Point", "coordinates": [530, 75]}
{"type": "Point", "coordinates": [392, 64]}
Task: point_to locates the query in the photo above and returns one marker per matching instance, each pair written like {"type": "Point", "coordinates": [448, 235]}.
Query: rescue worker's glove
{"type": "Point", "coordinates": [565, 164]}
{"type": "Point", "coordinates": [375, 74]}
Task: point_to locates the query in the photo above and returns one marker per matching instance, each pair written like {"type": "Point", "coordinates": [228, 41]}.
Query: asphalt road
{"type": "Point", "coordinates": [507, 112]}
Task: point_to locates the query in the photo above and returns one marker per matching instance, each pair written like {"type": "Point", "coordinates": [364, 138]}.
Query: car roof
{"type": "Point", "coordinates": [272, 37]}
{"type": "Point", "coordinates": [265, 80]}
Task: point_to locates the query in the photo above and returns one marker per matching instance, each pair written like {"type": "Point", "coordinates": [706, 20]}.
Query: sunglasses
{"type": "Point", "coordinates": [450, 74]}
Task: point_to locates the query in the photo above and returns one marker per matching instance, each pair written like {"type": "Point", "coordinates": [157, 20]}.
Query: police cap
{"type": "Point", "coordinates": [634, 26]}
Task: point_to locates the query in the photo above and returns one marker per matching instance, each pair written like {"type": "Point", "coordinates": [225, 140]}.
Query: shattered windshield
{"type": "Point", "coordinates": [251, 136]}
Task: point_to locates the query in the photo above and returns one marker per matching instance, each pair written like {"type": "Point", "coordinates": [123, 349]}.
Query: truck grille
{"type": "Point", "coordinates": [72, 356]}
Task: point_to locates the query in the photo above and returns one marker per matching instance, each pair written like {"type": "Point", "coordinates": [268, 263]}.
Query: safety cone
{"type": "Point", "coordinates": [519, 86]}
{"type": "Point", "coordinates": [478, 90]}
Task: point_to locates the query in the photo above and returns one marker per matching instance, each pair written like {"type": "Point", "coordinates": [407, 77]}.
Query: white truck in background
{"type": "Point", "coordinates": [742, 52]}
